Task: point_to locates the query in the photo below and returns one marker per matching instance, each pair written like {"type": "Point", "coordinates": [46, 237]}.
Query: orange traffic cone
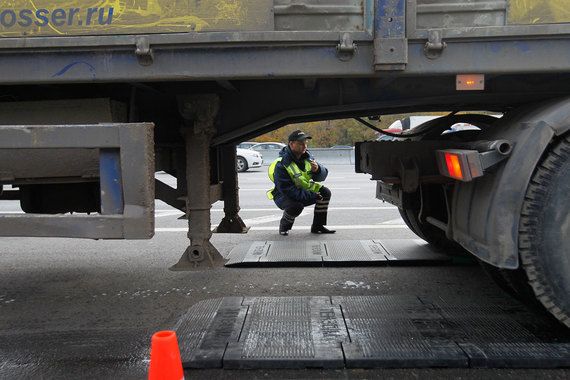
{"type": "Point", "coordinates": [165, 362]}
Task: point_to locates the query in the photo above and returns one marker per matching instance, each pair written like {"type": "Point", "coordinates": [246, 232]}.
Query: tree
{"type": "Point", "coordinates": [328, 133]}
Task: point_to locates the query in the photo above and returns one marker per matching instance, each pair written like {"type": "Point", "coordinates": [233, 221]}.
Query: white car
{"type": "Point", "coordinates": [268, 145]}
{"type": "Point", "coordinates": [246, 144]}
{"type": "Point", "coordinates": [247, 159]}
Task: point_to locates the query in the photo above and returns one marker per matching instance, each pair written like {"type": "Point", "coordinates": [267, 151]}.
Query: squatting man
{"type": "Point", "coordinates": [296, 176]}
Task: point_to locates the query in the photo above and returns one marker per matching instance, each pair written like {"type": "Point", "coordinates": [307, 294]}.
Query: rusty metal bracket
{"type": "Point", "coordinates": [346, 48]}
{"type": "Point", "coordinates": [434, 47]}
{"type": "Point", "coordinates": [143, 51]}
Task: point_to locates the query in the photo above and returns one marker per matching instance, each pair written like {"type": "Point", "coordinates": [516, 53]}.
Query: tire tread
{"type": "Point", "coordinates": [536, 193]}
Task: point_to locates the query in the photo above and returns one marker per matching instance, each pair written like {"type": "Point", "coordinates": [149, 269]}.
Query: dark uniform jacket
{"type": "Point", "coordinates": [284, 186]}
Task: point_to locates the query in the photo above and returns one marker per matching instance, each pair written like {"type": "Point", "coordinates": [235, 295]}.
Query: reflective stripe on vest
{"type": "Point", "coordinates": [301, 179]}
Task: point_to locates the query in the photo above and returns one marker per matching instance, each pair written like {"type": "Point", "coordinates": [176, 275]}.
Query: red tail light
{"type": "Point", "coordinates": [463, 165]}
{"type": "Point", "coordinates": [453, 166]}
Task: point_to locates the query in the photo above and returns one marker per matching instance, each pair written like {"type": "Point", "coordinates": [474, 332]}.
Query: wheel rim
{"type": "Point", "coordinates": [240, 164]}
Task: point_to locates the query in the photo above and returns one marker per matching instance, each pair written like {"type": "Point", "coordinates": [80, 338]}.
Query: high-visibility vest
{"type": "Point", "coordinates": [301, 179]}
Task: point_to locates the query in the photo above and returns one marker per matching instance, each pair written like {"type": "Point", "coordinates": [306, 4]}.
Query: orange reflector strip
{"type": "Point", "coordinates": [470, 82]}
{"type": "Point", "coordinates": [453, 166]}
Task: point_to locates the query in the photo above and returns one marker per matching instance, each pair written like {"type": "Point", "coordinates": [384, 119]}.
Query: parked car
{"type": "Point", "coordinates": [268, 145]}
{"type": "Point", "coordinates": [460, 127]}
{"type": "Point", "coordinates": [247, 159]}
{"type": "Point", "coordinates": [383, 137]}
{"type": "Point", "coordinates": [410, 122]}
{"type": "Point", "coordinates": [246, 144]}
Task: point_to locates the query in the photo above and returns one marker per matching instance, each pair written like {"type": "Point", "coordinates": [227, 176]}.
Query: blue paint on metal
{"type": "Point", "coordinates": [390, 19]}
{"type": "Point", "coordinates": [369, 15]}
{"type": "Point", "coordinates": [522, 46]}
{"type": "Point", "coordinates": [496, 47]}
{"type": "Point", "coordinates": [112, 201]}
{"type": "Point", "coordinates": [68, 67]}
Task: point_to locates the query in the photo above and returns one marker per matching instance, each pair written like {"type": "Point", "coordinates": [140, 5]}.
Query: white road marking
{"type": "Point", "coordinates": [267, 219]}
{"type": "Point", "coordinates": [310, 208]}
{"type": "Point", "coordinates": [161, 213]}
{"type": "Point", "coordinates": [394, 221]}
{"type": "Point", "coordinates": [164, 213]}
{"type": "Point", "coordinates": [275, 228]}
{"type": "Point", "coordinates": [330, 188]}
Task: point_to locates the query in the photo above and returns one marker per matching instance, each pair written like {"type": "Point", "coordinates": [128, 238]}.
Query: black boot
{"type": "Point", "coordinates": [286, 224]}
{"type": "Point", "coordinates": [321, 230]}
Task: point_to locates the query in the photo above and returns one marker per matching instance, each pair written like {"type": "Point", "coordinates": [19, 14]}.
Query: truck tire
{"type": "Point", "coordinates": [544, 231]}
{"type": "Point", "coordinates": [433, 235]}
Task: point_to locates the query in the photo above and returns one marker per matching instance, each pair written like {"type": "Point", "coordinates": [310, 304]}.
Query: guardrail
{"type": "Point", "coordinates": [327, 156]}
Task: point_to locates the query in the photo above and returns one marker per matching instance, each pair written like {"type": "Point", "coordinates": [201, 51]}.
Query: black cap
{"type": "Point", "coordinates": [299, 135]}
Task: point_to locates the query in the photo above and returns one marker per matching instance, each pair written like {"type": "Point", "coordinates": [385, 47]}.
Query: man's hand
{"type": "Point", "coordinates": [314, 166]}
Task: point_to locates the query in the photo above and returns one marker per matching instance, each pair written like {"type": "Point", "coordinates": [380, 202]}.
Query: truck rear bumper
{"type": "Point", "coordinates": [126, 179]}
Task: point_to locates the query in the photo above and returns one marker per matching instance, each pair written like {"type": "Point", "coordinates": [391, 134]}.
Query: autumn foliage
{"type": "Point", "coordinates": [330, 132]}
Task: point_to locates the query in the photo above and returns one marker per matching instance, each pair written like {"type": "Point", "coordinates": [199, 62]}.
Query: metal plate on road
{"type": "Point", "coordinates": [207, 328]}
{"type": "Point", "coordinates": [312, 327]}
{"type": "Point", "coordinates": [366, 332]}
{"type": "Point", "coordinates": [334, 252]}
{"type": "Point", "coordinates": [389, 332]}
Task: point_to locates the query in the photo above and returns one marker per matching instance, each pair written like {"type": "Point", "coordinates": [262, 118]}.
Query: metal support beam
{"type": "Point", "coordinates": [170, 196]}
{"type": "Point", "coordinates": [200, 112]}
{"type": "Point", "coordinates": [390, 43]}
{"type": "Point", "coordinates": [232, 222]}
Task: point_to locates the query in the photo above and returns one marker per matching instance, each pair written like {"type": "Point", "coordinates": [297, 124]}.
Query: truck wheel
{"type": "Point", "coordinates": [241, 164]}
{"type": "Point", "coordinates": [544, 231]}
{"type": "Point", "coordinates": [431, 234]}
{"type": "Point", "coordinates": [433, 205]}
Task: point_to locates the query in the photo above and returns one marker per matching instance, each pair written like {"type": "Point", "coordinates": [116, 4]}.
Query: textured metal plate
{"type": "Point", "coordinates": [332, 252]}
{"type": "Point", "coordinates": [295, 251]}
{"type": "Point", "coordinates": [257, 251]}
{"type": "Point", "coordinates": [290, 332]}
{"type": "Point", "coordinates": [238, 253]}
{"type": "Point", "coordinates": [353, 250]}
{"type": "Point", "coordinates": [518, 355]}
{"type": "Point", "coordinates": [410, 249]}
{"type": "Point", "coordinates": [368, 331]}
{"type": "Point", "coordinates": [205, 330]}
{"type": "Point", "coordinates": [493, 337]}
{"type": "Point", "coordinates": [386, 332]}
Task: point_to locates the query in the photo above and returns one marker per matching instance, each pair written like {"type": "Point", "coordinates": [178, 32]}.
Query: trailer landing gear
{"type": "Point", "coordinates": [200, 113]}
{"type": "Point", "coordinates": [232, 222]}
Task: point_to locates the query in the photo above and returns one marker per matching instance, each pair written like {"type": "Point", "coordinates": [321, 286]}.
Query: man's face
{"type": "Point", "coordinates": [298, 147]}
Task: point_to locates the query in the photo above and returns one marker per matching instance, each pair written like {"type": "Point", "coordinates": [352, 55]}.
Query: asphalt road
{"type": "Point", "coordinates": [87, 309]}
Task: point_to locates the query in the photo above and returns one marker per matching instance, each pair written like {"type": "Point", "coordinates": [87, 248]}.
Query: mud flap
{"type": "Point", "coordinates": [486, 212]}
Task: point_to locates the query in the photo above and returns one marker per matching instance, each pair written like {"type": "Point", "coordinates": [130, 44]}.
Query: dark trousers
{"type": "Point", "coordinates": [292, 209]}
